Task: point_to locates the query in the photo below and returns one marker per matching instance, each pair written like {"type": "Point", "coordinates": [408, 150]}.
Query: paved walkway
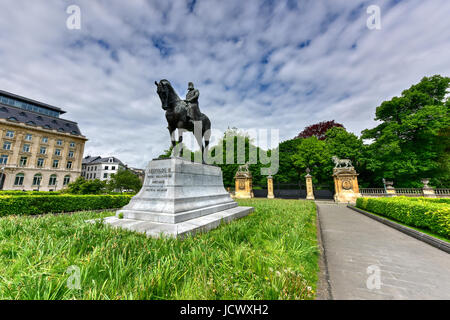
{"type": "Point", "coordinates": [409, 268]}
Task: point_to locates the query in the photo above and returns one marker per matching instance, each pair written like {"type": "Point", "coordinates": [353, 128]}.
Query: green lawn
{"type": "Point", "coordinates": [270, 254]}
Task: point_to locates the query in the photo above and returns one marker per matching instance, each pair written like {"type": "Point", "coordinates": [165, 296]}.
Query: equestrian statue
{"type": "Point", "coordinates": [184, 115]}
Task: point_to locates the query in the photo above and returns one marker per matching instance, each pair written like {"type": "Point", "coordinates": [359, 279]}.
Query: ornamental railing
{"type": "Point", "coordinates": [414, 192]}
{"type": "Point", "coordinates": [373, 191]}
{"type": "Point", "coordinates": [442, 191]}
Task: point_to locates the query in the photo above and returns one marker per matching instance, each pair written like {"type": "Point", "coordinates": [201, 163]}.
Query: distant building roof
{"type": "Point", "coordinates": [17, 97]}
{"type": "Point", "coordinates": [19, 109]}
{"type": "Point", "coordinates": [100, 160]}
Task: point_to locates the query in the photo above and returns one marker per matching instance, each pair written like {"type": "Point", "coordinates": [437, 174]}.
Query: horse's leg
{"type": "Point", "coordinates": [180, 142]}
{"type": "Point", "coordinates": [206, 137]}
{"type": "Point", "coordinates": [172, 138]}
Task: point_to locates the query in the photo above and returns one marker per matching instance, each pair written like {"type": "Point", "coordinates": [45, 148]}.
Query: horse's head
{"type": "Point", "coordinates": [163, 90]}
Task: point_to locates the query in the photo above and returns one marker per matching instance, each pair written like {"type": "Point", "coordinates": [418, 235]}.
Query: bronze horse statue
{"type": "Point", "coordinates": [177, 118]}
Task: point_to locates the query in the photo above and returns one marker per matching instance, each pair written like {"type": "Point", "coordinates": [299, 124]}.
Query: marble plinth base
{"type": "Point", "coordinates": [178, 197]}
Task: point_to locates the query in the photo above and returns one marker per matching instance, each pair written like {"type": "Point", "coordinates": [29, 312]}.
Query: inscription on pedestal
{"type": "Point", "coordinates": [158, 177]}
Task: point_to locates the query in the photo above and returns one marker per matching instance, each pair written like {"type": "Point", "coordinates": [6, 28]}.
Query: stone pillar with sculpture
{"type": "Point", "coordinates": [244, 186]}
{"type": "Point", "coordinates": [345, 181]}
{"type": "Point", "coordinates": [309, 186]}
{"type": "Point", "coordinates": [427, 190]}
{"type": "Point", "coordinates": [270, 194]}
{"type": "Point", "coordinates": [389, 187]}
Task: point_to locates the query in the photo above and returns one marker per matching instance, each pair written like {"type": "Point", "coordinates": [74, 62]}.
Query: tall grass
{"type": "Point", "coordinates": [271, 254]}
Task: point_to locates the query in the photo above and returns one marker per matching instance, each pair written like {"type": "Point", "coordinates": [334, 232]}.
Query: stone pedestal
{"type": "Point", "coordinates": [178, 197]}
{"type": "Point", "coordinates": [244, 187]}
{"type": "Point", "coordinates": [309, 188]}
{"type": "Point", "coordinates": [428, 191]}
{"type": "Point", "coordinates": [270, 194]}
{"type": "Point", "coordinates": [346, 185]}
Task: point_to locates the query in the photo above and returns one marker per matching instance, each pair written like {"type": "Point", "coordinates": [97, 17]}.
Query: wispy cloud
{"type": "Point", "coordinates": [270, 64]}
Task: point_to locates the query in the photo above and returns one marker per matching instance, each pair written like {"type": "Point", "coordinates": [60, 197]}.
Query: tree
{"type": "Point", "coordinates": [408, 144]}
{"type": "Point", "coordinates": [124, 179]}
{"type": "Point", "coordinates": [83, 186]}
{"type": "Point", "coordinates": [314, 154]}
{"type": "Point", "coordinates": [288, 172]}
{"type": "Point", "coordinates": [238, 138]}
{"type": "Point", "coordinates": [318, 130]}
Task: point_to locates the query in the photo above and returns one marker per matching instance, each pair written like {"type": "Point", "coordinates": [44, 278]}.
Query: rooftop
{"type": "Point", "coordinates": [15, 108]}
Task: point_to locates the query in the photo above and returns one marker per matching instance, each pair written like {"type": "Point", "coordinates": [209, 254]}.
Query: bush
{"type": "Point", "coordinates": [26, 193]}
{"type": "Point", "coordinates": [430, 214]}
{"type": "Point", "coordinates": [32, 204]}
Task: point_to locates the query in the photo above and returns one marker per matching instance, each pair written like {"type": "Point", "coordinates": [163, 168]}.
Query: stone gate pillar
{"type": "Point", "coordinates": [346, 185]}
{"type": "Point", "coordinates": [270, 194]}
{"type": "Point", "coordinates": [244, 186]}
{"type": "Point", "coordinates": [309, 186]}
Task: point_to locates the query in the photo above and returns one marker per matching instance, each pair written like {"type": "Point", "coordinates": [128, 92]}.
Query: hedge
{"type": "Point", "coordinates": [32, 205]}
{"type": "Point", "coordinates": [416, 212]}
{"type": "Point", "coordinates": [29, 193]}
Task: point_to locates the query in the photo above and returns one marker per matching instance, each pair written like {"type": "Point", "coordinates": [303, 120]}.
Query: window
{"type": "Point", "coordinates": [72, 144]}
{"type": "Point", "coordinates": [52, 181]}
{"type": "Point", "coordinates": [59, 142]}
{"type": "Point", "coordinates": [37, 179]}
{"type": "Point", "coordinates": [7, 145]}
{"type": "Point", "coordinates": [57, 152]}
{"type": "Point", "coordinates": [111, 160]}
{"type": "Point", "coordinates": [44, 140]}
{"type": "Point", "coordinates": [40, 162]}
{"type": "Point", "coordinates": [19, 179]}
{"type": "Point", "coordinates": [105, 175]}
{"type": "Point", "coordinates": [69, 164]}
{"type": "Point", "coordinates": [10, 134]}
{"type": "Point", "coordinates": [43, 150]}
{"type": "Point", "coordinates": [106, 167]}
{"type": "Point", "coordinates": [55, 163]}
{"type": "Point", "coordinates": [66, 180]}
{"type": "Point", "coordinates": [4, 159]}
{"type": "Point", "coordinates": [23, 161]}
{"type": "Point", "coordinates": [26, 148]}
{"type": "Point", "coordinates": [113, 168]}
{"type": "Point", "coordinates": [70, 154]}
{"type": "Point", "coordinates": [95, 175]}
{"type": "Point", "coordinates": [29, 137]}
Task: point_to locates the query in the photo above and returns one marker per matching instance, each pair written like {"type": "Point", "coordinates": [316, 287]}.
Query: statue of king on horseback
{"type": "Point", "coordinates": [184, 115]}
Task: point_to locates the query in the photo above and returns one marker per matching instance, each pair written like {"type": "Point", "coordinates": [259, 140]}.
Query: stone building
{"type": "Point", "coordinates": [38, 149]}
{"type": "Point", "coordinates": [100, 168]}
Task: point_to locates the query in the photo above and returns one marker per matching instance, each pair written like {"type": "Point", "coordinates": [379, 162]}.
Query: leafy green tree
{"type": "Point", "coordinates": [83, 186]}
{"type": "Point", "coordinates": [288, 173]}
{"type": "Point", "coordinates": [408, 144]}
{"type": "Point", "coordinates": [238, 139]}
{"type": "Point", "coordinates": [123, 180]}
{"type": "Point", "coordinates": [314, 154]}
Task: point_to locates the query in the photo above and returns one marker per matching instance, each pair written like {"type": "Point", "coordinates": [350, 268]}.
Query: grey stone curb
{"type": "Point", "coordinates": [323, 283]}
{"type": "Point", "coordinates": [437, 243]}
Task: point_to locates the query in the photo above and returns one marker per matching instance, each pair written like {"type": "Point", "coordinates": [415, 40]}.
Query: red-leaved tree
{"type": "Point", "coordinates": [318, 130]}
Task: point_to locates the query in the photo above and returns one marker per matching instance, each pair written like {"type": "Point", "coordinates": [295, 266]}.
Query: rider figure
{"type": "Point", "coordinates": [192, 103]}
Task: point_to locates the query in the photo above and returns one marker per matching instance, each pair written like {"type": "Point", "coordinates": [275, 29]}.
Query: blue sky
{"type": "Point", "coordinates": [258, 64]}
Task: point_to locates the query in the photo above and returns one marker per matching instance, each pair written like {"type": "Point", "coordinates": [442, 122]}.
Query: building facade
{"type": "Point", "coordinates": [100, 168]}
{"type": "Point", "coordinates": [38, 149]}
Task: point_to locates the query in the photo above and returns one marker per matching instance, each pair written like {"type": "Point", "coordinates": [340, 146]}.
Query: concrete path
{"type": "Point", "coordinates": [357, 248]}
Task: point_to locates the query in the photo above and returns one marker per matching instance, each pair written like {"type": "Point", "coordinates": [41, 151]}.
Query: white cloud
{"type": "Point", "coordinates": [279, 66]}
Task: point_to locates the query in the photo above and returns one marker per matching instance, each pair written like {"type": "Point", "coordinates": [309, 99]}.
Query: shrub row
{"type": "Point", "coordinates": [27, 193]}
{"type": "Point", "coordinates": [416, 212]}
{"type": "Point", "coordinates": [32, 205]}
